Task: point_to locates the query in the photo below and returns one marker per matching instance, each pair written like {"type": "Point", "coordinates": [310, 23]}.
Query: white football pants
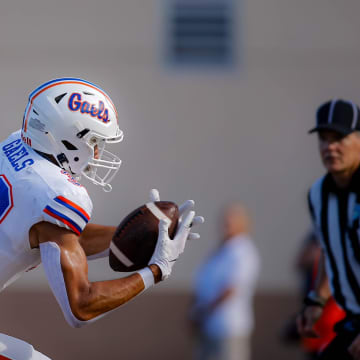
{"type": "Point", "coordinates": [15, 349]}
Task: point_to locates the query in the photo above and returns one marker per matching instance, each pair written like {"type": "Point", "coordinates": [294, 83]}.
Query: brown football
{"type": "Point", "coordinates": [134, 241]}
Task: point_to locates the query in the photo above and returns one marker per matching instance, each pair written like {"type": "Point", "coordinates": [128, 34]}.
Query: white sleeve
{"type": "Point", "coordinates": [69, 213]}
{"type": "Point", "coordinates": [50, 257]}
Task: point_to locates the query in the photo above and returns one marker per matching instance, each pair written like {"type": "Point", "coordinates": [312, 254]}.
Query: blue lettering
{"type": "Point", "coordinates": [15, 153]}
{"type": "Point", "coordinates": [10, 145]}
{"type": "Point", "coordinates": [101, 109]}
{"type": "Point", "coordinates": [105, 117]}
{"type": "Point", "coordinates": [24, 164]}
{"type": "Point", "coordinates": [12, 150]}
{"type": "Point", "coordinates": [85, 108]}
{"type": "Point", "coordinates": [93, 111]}
{"type": "Point", "coordinates": [74, 105]}
{"type": "Point", "coordinates": [17, 156]}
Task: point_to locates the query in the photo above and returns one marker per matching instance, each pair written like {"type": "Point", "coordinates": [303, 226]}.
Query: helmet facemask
{"type": "Point", "coordinates": [102, 165]}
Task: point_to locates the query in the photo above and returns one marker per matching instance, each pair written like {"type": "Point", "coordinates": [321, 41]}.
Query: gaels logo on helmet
{"type": "Point", "coordinates": [75, 103]}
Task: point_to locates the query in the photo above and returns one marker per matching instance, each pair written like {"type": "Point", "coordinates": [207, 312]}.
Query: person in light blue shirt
{"type": "Point", "coordinates": [222, 309]}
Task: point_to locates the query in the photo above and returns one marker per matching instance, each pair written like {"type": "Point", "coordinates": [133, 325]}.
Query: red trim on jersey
{"type": "Point", "coordinates": [4, 358]}
{"type": "Point", "coordinates": [71, 226]}
{"type": "Point", "coordinates": [77, 207]}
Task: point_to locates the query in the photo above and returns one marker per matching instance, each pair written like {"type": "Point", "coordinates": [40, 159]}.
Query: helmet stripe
{"type": "Point", "coordinates": [61, 81]}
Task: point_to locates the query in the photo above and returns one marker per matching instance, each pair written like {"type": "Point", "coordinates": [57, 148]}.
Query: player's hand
{"type": "Point", "coordinates": [167, 251]}
{"type": "Point", "coordinates": [354, 348]}
{"type": "Point", "coordinates": [183, 210]}
{"type": "Point", "coordinates": [154, 195]}
{"type": "Point", "coordinates": [306, 320]}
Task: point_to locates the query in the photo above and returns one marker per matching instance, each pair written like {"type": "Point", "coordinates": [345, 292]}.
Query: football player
{"type": "Point", "coordinates": [67, 124]}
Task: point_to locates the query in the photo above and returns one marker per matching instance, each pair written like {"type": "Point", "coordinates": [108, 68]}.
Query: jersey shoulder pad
{"type": "Point", "coordinates": [69, 205]}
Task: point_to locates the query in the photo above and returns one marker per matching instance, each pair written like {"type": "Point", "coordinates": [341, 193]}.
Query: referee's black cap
{"type": "Point", "coordinates": [338, 115]}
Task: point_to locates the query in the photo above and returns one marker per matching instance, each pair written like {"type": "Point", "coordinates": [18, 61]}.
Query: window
{"type": "Point", "coordinates": [200, 32]}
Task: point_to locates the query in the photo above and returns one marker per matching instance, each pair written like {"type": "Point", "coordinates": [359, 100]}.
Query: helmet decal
{"type": "Point", "coordinates": [76, 104]}
{"type": "Point", "coordinates": [56, 82]}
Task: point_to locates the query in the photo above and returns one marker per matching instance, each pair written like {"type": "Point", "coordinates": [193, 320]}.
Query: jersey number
{"type": "Point", "coordinates": [6, 198]}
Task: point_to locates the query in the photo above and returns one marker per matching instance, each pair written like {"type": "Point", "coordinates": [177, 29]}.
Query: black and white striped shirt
{"type": "Point", "coordinates": [336, 214]}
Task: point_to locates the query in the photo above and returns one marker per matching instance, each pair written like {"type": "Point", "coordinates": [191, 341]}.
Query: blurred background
{"type": "Point", "coordinates": [215, 98]}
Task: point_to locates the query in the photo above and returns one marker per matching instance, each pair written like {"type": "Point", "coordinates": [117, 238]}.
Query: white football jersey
{"type": "Point", "coordinates": [32, 189]}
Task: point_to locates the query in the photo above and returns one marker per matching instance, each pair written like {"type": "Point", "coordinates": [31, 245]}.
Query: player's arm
{"type": "Point", "coordinates": [314, 302]}
{"type": "Point", "coordinates": [95, 239]}
{"type": "Point", "coordinates": [317, 298]}
{"type": "Point", "coordinates": [322, 288]}
{"type": "Point", "coordinates": [65, 264]}
{"type": "Point", "coordinates": [222, 297]}
{"type": "Point", "coordinates": [66, 267]}
{"type": "Point", "coordinates": [198, 314]}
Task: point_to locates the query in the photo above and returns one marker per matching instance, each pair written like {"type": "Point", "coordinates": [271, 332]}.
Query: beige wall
{"type": "Point", "coordinates": [149, 327]}
{"type": "Point", "coordinates": [214, 137]}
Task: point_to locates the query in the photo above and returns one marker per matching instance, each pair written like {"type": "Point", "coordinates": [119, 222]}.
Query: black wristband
{"type": "Point", "coordinates": [312, 299]}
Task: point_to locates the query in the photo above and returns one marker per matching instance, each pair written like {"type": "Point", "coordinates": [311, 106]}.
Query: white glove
{"type": "Point", "coordinates": [167, 251]}
{"type": "Point", "coordinates": [183, 209]}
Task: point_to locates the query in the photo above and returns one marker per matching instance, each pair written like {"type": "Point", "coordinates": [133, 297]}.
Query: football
{"type": "Point", "coordinates": [135, 238]}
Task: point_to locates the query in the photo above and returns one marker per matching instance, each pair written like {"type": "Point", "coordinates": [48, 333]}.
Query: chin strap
{"type": "Point", "coordinates": [61, 158]}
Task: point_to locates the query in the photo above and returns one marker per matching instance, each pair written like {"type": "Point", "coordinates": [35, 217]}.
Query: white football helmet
{"type": "Point", "coordinates": [72, 120]}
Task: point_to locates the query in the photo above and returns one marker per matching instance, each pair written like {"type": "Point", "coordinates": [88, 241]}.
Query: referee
{"type": "Point", "coordinates": [334, 202]}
